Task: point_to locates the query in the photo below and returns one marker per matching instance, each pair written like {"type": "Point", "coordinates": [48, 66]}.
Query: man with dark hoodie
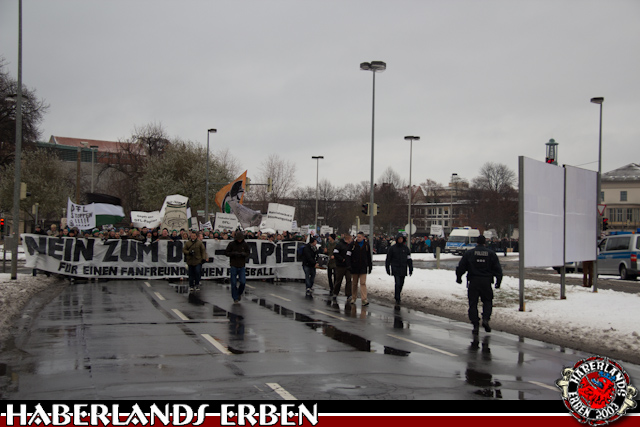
{"type": "Point", "coordinates": [238, 251]}
{"type": "Point", "coordinates": [340, 254]}
{"type": "Point", "coordinates": [195, 252]}
{"type": "Point", "coordinates": [360, 264]}
{"type": "Point", "coordinates": [398, 260]}
{"type": "Point", "coordinates": [309, 264]}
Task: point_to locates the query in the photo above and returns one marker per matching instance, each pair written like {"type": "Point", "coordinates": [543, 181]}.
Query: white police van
{"type": "Point", "coordinates": [619, 255]}
{"type": "Point", "coordinates": [461, 240]}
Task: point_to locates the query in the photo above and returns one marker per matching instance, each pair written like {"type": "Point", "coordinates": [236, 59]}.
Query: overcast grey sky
{"type": "Point", "coordinates": [477, 80]}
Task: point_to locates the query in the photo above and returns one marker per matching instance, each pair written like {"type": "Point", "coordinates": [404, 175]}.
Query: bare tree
{"type": "Point", "coordinates": [283, 175]}
{"type": "Point", "coordinates": [390, 176]}
{"type": "Point", "coordinates": [495, 177]}
{"type": "Point", "coordinates": [33, 111]}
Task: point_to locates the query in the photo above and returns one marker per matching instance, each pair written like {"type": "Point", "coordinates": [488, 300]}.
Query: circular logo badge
{"type": "Point", "coordinates": [597, 390]}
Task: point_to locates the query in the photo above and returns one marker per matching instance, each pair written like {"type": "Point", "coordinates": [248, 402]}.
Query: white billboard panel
{"type": "Point", "coordinates": [543, 214]}
{"type": "Point", "coordinates": [581, 214]}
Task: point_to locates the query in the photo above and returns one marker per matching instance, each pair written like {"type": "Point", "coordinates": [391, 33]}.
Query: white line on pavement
{"type": "Point", "coordinates": [160, 297]}
{"type": "Point", "coordinates": [544, 385]}
{"type": "Point", "coordinates": [330, 315]}
{"type": "Point", "coordinates": [278, 296]}
{"type": "Point", "coordinates": [282, 392]}
{"type": "Point", "coordinates": [249, 286]}
{"type": "Point", "coordinates": [148, 284]}
{"type": "Point", "coordinates": [179, 314]}
{"type": "Point", "coordinates": [423, 345]}
{"type": "Point", "coordinates": [216, 344]}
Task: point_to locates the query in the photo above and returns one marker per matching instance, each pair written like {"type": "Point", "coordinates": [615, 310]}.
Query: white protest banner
{"type": "Point", "coordinates": [304, 230]}
{"type": "Point", "coordinates": [364, 228]}
{"type": "Point", "coordinates": [174, 213]}
{"type": "Point", "coordinates": [325, 229]}
{"type": "Point", "coordinates": [206, 225]}
{"type": "Point", "coordinates": [81, 217]}
{"type": "Point", "coordinates": [225, 222]}
{"type": "Point", "coordinates": [132, 259]}
{"type": "Point", "coordinates": [141, 219]}
{"type": "Point", "coordinates": [280, 217]}
{"type": "Point", "coordinates": [437, 230]}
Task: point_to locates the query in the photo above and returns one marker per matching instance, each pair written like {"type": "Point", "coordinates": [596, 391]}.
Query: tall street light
{"type": "Point", "coordinates": [18, 156]}
{"type": "Point", "coordinates": [317, 175]}
{"type": "Point", "coordinates": [410, 139]}
{"type": "Point", "coordinates": [598, 100]}
{"type": "Point", "coordinates": [375, 67]}
{"type": "Point", "coordinates": [206, 194]}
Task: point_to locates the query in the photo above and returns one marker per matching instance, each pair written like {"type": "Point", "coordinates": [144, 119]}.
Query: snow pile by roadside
{"type": "Point", "coordinates": [15, 294]}
{"type": "Point", "coordinates": [606, 322]}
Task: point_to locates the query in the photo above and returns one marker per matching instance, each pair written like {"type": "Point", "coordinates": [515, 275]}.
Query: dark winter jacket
{"type": "Point", "coordinates": [195, 252]}
{"type": "Point", "coordinates": [309, 256]}
{"type": "Point", "coordinates": [359, 258]}
{"type": "Point", "coordinates": [330, 248]}
{"type": "Point", "coordinates": [340, 253]}
{"type": "Point", "coordinates": [398, 260]}
{"type": "Point", "coordinates": [482, 265]}
{"type": "Point", "coordinates": [238, 251]}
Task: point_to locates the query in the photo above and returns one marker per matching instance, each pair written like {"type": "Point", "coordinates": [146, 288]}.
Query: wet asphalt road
{"type": "Point", "coordinates": [142, 339]}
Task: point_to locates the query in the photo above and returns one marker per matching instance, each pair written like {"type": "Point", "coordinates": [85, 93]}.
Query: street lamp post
{"type": "Point", "coordinates": [410, 139]}
{"type": "Point", "coordinates": [206, 194]}
{"type": "Point", "coordinates": [375, 67]}
{"type": "Point", "coordinates": [315, 224]}
{"type": "Point", "coordinates": [454, 178]}
{"type": "Point", "coordinates": [17, 161]}
{"type": "Point", "coordinates": [598, 100]}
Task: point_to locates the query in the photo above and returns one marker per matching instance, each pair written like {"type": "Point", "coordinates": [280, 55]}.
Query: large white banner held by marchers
{"type": "Point", "coordinates": [131, 259]}
{"type": "Point", "coordinates": [81, 217]}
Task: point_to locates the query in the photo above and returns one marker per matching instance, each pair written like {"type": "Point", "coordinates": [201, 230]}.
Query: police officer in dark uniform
{"type": "Point", "coordinates": [481, 265]}
{"type": "Point", "coordinates": [397, 262]}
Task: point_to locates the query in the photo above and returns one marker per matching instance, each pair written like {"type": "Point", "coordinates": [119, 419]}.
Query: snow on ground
{"type": "Point", "coordinates": [15, 294]}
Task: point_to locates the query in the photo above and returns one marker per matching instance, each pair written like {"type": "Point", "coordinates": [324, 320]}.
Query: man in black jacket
{"type": "Point", "coordinates": [309, 263]}
{"type": "Point", "coordinates": [360, 264]}
{"type": "Point", "coordinates": [398, 260]}
{"type": "Point", "coordinates": [481, 265]}
{"type": "Point", "coordinates": [238, 251]}
{"type": "Point", "coordinates": [342, 270]}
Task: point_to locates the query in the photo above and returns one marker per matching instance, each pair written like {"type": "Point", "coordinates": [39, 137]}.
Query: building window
{"type": "Point", "coordinates": [623, 196]}
{"type": "Point", "coordinates": [630, 215]}
{"type": "Point", "coordinates": [601, 196]}
{"type": "Point", "coordinates": [618, 215]}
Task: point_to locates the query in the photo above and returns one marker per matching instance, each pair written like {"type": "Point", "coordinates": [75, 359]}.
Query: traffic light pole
{"type": "Point", "coordinates": [17, 162]}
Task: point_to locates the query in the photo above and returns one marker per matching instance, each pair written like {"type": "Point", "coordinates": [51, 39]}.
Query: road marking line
{"type": "Point", "coordinates": [544, 385]}
{"type": "Point", "coordinates": [423, 345]}
{"type": "Point", "coordinates": [281, 391]}
{"type": "Point", "coordinates": [148, 284]}
{"type": "Point", "coordinates": [249, 286]}
{"type": "Point", "coordinates": [282, 298]}
{"type": "Point", "coordinates": [330, 315]}
{"type": "Point", "coordinates": [216, 344]}
{"type": "Point", "coordinates": [179, 314]}
{"type": "Point", "coordinates": [160, 297]}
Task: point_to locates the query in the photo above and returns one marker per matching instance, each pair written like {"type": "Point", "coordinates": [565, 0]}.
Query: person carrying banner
{"type": "Point", "coordinates": [195, 253]}
{"type": "Point", "coordinates": [340, 254]}
{"type": "Point", "coordinates": [309, 263]}
{"type": "Point", "coordinates": [238, 251]}
{"type": "Point", "coordinates": [396, 264]}
{"type": "Point", "coordinates": [360, 264]}
{"type": "Point", "coordinates": [481, 265]}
